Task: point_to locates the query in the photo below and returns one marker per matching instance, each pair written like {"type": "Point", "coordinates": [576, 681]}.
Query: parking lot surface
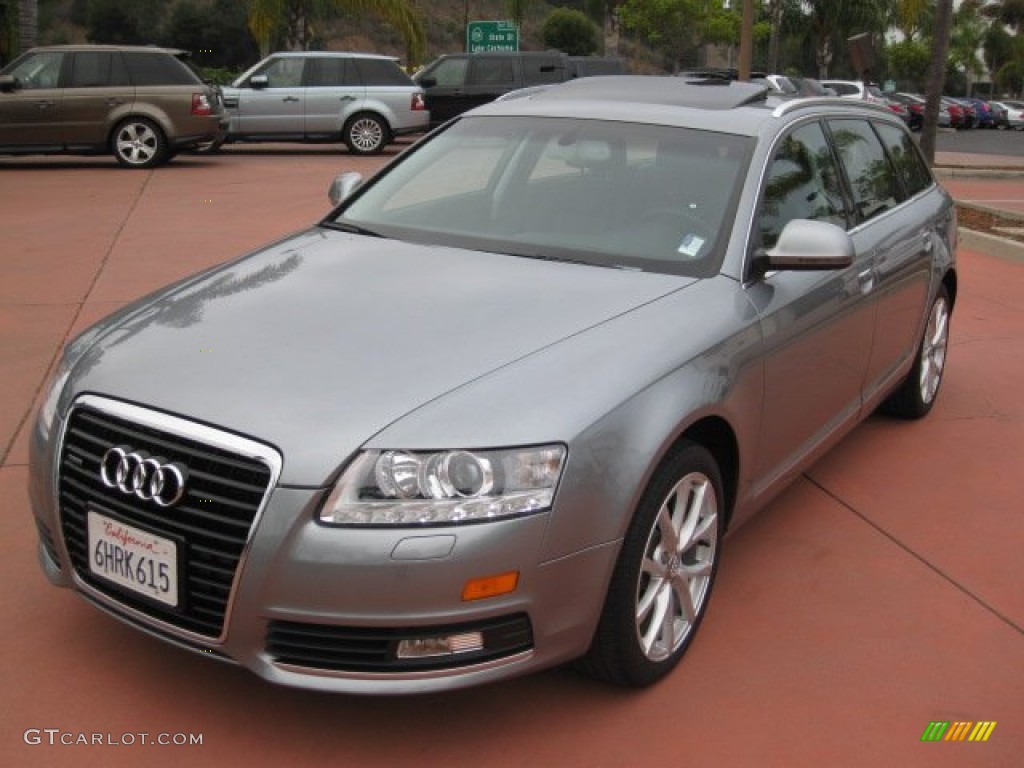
{"type": "Point", "coordinates": [880, 593]}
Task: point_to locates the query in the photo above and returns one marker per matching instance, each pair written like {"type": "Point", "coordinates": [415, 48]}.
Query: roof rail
{"type": "Point", "coordinates": [825, 101]}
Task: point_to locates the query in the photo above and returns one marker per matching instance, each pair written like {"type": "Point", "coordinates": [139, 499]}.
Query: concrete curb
{"type": "Point", "coordinates": [1000, 247]}
{"type": "Point", "coordinates": [951, 172]}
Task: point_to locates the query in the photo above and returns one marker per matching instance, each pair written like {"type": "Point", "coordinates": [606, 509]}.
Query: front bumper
{"type": "Point", "coordinates": [327, 608]}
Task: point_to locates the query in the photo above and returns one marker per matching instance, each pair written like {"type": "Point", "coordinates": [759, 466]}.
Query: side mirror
{"type": "Point", "coordinates": [259, 81]}
{"type": "Point", "coordinates": [427, 82]}
{"type": "Point", "coordinates": [8, 83]}
{"type": "Point", "coordinates": [807, 245]}
{"type": "Point", "coordinates": [343, 186]}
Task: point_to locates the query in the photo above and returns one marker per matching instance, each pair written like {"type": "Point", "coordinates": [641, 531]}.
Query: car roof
{"type": "Point", "coordinates": [110, 47]}
{"type": "Point", "coordinates": [694, 103]}
{"type": "Point", "coordinates": [330, 55]}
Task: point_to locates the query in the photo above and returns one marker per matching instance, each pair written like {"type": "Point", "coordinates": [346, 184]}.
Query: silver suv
{"type": "Point", "coordinates": [497, 410]}
{"type": "Point", "coordinates": [141, 104]}
{"type": "Point", "coordinates": [361, 99]}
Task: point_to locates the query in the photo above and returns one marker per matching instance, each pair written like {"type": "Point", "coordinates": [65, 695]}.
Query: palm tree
{"type": "Point", "coordinates": [28, 24]}
{"type": "Point", "coordinates": [832, 19]}
{"type": "Point", "coordinates": [936, 77]}
{"type": "Point", "coordinates": [293, 20]}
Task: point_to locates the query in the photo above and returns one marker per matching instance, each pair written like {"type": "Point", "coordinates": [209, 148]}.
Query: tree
{"type": "Point", "coordinates": [117, 22]}
{"type": "Point", "coordinates": [570, 31]}
{"type": "Point", "coordinates": [908, 61]}
{"type": "Point", "coordinates": [936, 77]}
{"type": "Point", "coordinates": [830, 22]}
{"type": "Point", "coordinates": [292, 21]}
{"type": "Point", "coordinates": [965, 40]}
{"type": "Point", "coordinates": [28, 24]}
{"type": "Point", "coordinates": [217, 36]}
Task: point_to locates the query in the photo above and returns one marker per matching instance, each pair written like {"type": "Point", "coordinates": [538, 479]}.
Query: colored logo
{"type": "Point", "coordinates": [959, 731]}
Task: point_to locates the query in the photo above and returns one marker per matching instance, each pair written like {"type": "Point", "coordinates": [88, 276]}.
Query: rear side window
{"type": "Point", "coordinates": [802, 183]}
{"type": "Point", "coordinates": [908, 161]}
{"type": "Point", "coordinates": [158, 69]}
{"type": "Point", "coordinates": [843, 89]}
{"type": "Point", "coordinates": [381, 72]}
{"type": "Point", "coordinates": [541, 69]}
{"type": "Point", "coordinates": [97, 69]}
{"type": "Point", "coordinates": [450, 72]}
{"type": "Point", "coordinates": [323, 72]}
{"type": "Point", "coordinates": [492, 71]}
{"type": "Point", "coordinates": [872, 178]}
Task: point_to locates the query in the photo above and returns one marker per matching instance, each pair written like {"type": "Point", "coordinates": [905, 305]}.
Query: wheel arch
{"type": "Point", "coordinates": [716, 435]}
{"type": "Point", "coordinates": [950, 281]}
{"type": "Point", "coordinates": [136, 110]}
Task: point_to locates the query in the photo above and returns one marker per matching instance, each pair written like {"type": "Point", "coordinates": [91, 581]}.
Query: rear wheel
{"type": "Point", "coordinates": [917, 393]}
{"type": "Point", "coordinates": [663, 578]}
{"type": "Point", "coordinates": [365, 134]}
{"type": "Point", "coordinates": [139, 143]}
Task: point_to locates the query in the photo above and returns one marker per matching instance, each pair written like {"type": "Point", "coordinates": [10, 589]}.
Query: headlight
{"type": "Point", "coordinates": [444, 487]}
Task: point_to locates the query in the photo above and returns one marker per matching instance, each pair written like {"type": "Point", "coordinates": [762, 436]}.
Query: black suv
{"type": "Point", "coordinates": [457, 82]}
{"type": "Point", "coordinates": [141, 104]}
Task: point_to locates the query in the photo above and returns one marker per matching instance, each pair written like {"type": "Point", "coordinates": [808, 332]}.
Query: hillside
{"type": "Point", "coordinates": [443, 21]}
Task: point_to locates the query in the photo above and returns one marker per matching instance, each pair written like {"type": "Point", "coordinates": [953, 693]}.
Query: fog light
{"type": "Point", "coordinates": [425, 647]}
{"type": "Point", "coordinates": [490, 586]}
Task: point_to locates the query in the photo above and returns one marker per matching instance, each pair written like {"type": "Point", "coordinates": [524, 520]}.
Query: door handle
{"type": "Point", "coordinates": [290, 98]}
{"type": "Point", "coordinates": [927, 238]}
{"type": "Point", "coordinates": [346, 97]}
{"type": "Point", "coordinates": [866, 280]}
{"type": "Point", "coordinates": [44, 104]}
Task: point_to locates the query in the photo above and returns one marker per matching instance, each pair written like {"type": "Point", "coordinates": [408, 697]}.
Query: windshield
{"type": "Point", "coordinates": [609, 194]}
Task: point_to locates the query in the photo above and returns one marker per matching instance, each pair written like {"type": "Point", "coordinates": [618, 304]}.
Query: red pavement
{"type": "Point", "coordinates": [881, 592]}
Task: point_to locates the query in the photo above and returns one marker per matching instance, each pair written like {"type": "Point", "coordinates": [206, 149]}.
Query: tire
{"type": "Point", "coordinates": [658, 595]}
{"type": "Point", "coordinates": [916, 395]}
{"type": "Point", "coordinates": [365, 134]}
{"type": "Point", "coordinates": [138, 143]}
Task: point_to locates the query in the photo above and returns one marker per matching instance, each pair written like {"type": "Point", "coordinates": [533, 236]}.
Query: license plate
{"type": "Point", "coordinates": [133, 558]}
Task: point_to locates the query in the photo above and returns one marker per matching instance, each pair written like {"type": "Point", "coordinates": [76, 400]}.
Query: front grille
{"type": "Point", "coordinates": [363, 649]}
{"type": "Point", "coordinates": [211, 523]}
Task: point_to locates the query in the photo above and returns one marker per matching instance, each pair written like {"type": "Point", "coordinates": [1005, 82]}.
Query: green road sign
{"type": "Point", "coordinates": [492, 36]}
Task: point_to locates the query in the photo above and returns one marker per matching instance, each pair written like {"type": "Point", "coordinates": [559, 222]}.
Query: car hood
{"type": "Point", "coordinates": [316, 343]}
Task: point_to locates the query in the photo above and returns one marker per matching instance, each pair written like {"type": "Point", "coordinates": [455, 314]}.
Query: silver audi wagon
{"type": "Point", "coordinates": [497, 410]}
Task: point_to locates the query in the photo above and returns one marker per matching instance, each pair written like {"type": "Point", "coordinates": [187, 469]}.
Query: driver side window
{"type": "Point", "coordinates": [802, 183]}
{"type": "Point", "coordinates": [284, 72]}
{"type": "Point", "coordinates": [40, 70]}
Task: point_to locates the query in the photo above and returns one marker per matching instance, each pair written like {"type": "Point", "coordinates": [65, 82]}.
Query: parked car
{"type": "Point", "coordinates": [958, 117]}
{"type": "Point", "coordinates": [1014, 114]}
{"type": "Point", "coordinates": [808, 86]}
{"type": "Point", "coordinates": [457, 82]}
{"type": "Point", "coordinates": [855, 89]}
{"type": "Point", "coordinates": [986, 118]}
{"type": "Point", "coordinates": [1000, 115]}
{"type": "Point", "coordinates": [361, 99]}
{"type": "Point", "coordinates": [970, 114]}
{"type": "Point", "coordinates": [915, 108]}
{"type": "Point", "coordinates": [496, 411]}
{"type": "Point", "coordinates": [143, 105]}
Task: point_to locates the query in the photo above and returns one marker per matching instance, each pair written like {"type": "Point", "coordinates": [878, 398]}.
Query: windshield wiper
{"type": "Point", "coordinates": [344, 226]}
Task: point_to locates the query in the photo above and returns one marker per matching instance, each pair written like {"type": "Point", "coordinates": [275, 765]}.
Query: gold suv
{"type": "Point", "coordinates": [141, 104]}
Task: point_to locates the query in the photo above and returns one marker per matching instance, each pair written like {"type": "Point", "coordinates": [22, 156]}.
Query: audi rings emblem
{"type": "Point", "coordinates": [148, 477]}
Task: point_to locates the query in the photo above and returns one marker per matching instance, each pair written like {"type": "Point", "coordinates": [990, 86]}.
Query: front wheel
{"type": "Point", "coordinates": [917, 393]}
{"type": "Point", "coordinates": [662, 581]}
{"type": "Point", "coordinates": [139, 143]}
{"type": "Point", "coordinates": [365, 135]}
